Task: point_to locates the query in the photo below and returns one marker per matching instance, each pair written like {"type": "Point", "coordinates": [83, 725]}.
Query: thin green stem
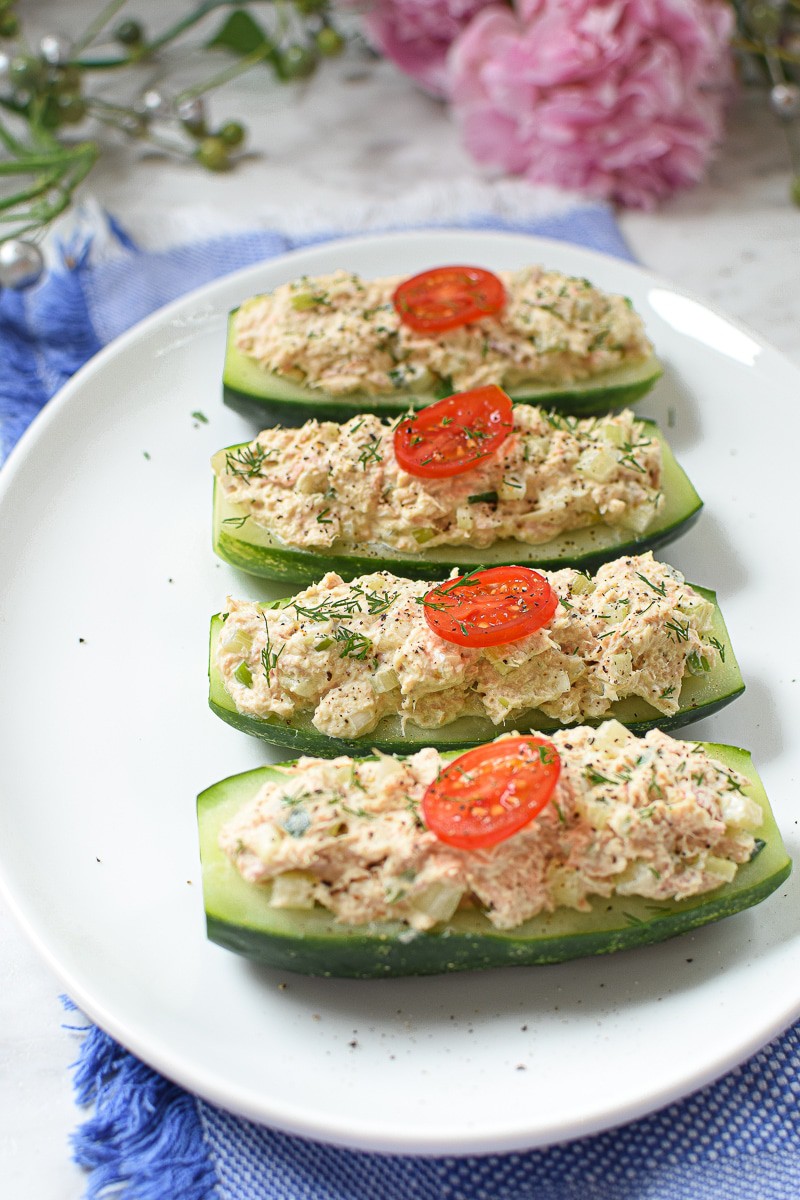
{"type": "Point", "coordinates": [763, 51]}
{"type": "Point", "coordinates": [10, 142]}
{"type": "Point", "coordinates": [169, 35]}
{"type": "Point", "coordinates": [30, 193]}
{"type": "Point", "coordinates": [41, 162]}
{"type": "Point", "coordinates": [266, 51]}
{"type": "Point", "coordinates": [98, 25]}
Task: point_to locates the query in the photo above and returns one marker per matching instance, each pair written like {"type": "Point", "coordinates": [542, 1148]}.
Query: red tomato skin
{"type": "Point", "coordinates": [445, 298]}
{"type": "Point", "coordinates": [520, 773]}
{"type": "Point", "coordinates": [454, 435]}
{"type": "Point", "coordinates": [454, 613]}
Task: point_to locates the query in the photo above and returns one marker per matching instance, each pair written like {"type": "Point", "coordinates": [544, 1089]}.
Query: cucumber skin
{"type": "Point", "coordinates": [266, 411]}
{"type": "Point", "coordinates": [316, 944]}
{"type": "Point", "coordinates": [722, 686]}
{"type": "Point", "coordinates": [311, 741]}
{"type": "Point", "coordinates": [249, 389]}
{"type": "Point", "coordinates": [586, 549]}
{"type": "Point", "coordinates": [286, 564]}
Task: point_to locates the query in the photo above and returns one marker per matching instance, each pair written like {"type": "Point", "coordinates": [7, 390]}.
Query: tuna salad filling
{"type": "Point", "coordinates": [352, 653]}
{"type": "Point", "coordinates": [341, 334]}
{"type": "Point", "coordinates": [651, 817]}
{"type": "Point", "coordinates": [325, 483]}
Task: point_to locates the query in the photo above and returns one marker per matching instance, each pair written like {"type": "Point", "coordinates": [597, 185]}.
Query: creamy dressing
{"type": "Point", "coordinates": [349, 654]}
{"type": "Point", "coordinates": [651, 817]}
{"type": "Point", "coordinates": [340, 333]}
{"type": "Point", "coordinates": [326, 484]}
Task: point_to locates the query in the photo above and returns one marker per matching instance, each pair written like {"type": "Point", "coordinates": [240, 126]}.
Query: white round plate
{"type": "Point", "coordinates": [108, 582]}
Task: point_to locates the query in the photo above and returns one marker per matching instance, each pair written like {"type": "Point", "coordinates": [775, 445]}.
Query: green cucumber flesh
{"type": "Point", "coordinates": [251, 389]}
{"type": "Point", "coordinates": [240, 918]}
{"type": "Point", "coordinates": [700, 696]}
{"type": "Point", "coordinates": [239, 540]}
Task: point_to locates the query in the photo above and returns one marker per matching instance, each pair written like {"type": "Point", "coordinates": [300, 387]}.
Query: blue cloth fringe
{"type": "Point", "coordinates": [144, 1133]}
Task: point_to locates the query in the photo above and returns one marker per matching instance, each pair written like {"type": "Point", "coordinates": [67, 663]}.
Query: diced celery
{"type": "Point", "coordinates": [421, 536]}
{"type": "Point", "coordinates": [639, 517]}
{"type": "Point", "coordinates": [697, 663]}
{"type": "Point", "coordinates": [243, 675]}
{"type": "Point", "coordinates": [613, 433]}
{"type": "Point", "coordinates": [438, 901]}
{"type": "Point", "coordinates": [294, 889]}
{"type": "Point", "coordinates": [598, 462]}
{"type": "Point", "coordinates": [611, 733]}
{"type": "Point", "coordinates": [302, 301]}
{"type": "Point", "coordinates": [581, 585]}
{"type": "Point", "coordinates": [384, 680]}
{"type": "Point", "coordinates": [237, 643]}
{"type": "Point", "coordinates": [723, 868]}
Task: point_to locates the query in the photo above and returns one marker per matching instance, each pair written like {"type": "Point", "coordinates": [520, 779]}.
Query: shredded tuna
{"type": "Point", "coordinates": [349, 654]}
{"type": "Point", "coordinates": [325, 484]}
{"type": "Point", "coordinates": [340, 333]}
{"type": "Point", "coordinates": [651, 817]}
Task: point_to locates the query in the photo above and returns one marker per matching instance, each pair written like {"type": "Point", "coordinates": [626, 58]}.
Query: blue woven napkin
{"type": "Point", "coordinates": [148, 1139]}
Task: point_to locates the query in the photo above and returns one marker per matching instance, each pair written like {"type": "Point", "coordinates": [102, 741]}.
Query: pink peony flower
{"type": "Point", "coordinates": [416, 35]}
{"type": "Point", "coordinates": [622, 99]}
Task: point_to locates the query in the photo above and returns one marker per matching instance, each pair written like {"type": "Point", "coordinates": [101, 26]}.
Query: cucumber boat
{"type": "Point", "coordinates": [239, 916]}
{"type": "Point", "coordinates": [240, 541]}
{"type": "Point", "coordinates": [268, 398]}
{"type": "Point", "coordinates": [701, 695]}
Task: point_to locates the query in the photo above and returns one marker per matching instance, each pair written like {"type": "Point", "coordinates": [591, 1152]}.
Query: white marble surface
{"type": "Point", "coordinates": [361, 141]}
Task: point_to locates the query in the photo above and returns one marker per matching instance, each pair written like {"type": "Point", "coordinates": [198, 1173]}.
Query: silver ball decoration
{"type": "Point", "coordinates": [21, 264]}
{"type": "Point", "coordinates": [155, 104]}
{"type": "Point", "coordinates": [5, 67]}
{"type": "Point", "coordinates": [55, 50]}
{"type": "Point", "coordinates": [784, 100]}
{"type": "Point", "coordinates": [192, 113]}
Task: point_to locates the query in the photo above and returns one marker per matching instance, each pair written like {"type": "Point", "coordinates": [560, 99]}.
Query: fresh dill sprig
{"type": "Point", "coordinates": [660, 588]}
{"type": "Point", "coordinates": [247, 461]}
{"type": "Point", "coordinates": [269, 657]}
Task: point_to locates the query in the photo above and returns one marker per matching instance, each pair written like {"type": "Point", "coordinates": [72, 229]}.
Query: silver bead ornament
{"type": "Point", "coordinates": [784, 100]}
{"type": "Point", "coordinates": [192, 112]}
{"type": "Point", "coordinates": [21, 264]}
{"type": "Point", "coordinates": [5, 68]}
{"type": "Point", "coordinates": [55, 50]}
{"type": "Point", "coordinates": [155, 104]}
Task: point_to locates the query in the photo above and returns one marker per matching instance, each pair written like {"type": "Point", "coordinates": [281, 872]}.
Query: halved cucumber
{"type": "Point", "coordinates": [251, 389]}
{"type": "Point", "coordinates": [252, 548]}
{"type": "Point", "coordinates": [700, 696]}
{"type": "Point", "coordinates": [240, 918]}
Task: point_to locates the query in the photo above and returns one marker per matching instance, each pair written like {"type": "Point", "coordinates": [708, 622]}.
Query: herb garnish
{"type": "Point", "coordinates": [718, 646]}
{"type": "Point", "coordinates": [247, 461]}
{"type": "Point", "coordinates": [269, 657]}
{"type": "Point", "coordinates": [661, 588]}
{"type": "Point", "coordinates": [447, 589]}
{"type": "Point", "coordinates": [354, 645]}
{"type": "Point", "coordinates": [370, 452]}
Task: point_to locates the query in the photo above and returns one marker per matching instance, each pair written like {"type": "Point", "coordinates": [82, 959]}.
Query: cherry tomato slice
{"type": "Point", "coordinates": [485, 795]}
{"type": "Point", "coordinates": [490, 608]}
{"type": "Point", "coordinates": [455, 434]}
{"type": "Point", "coordinates": [447, 297]}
